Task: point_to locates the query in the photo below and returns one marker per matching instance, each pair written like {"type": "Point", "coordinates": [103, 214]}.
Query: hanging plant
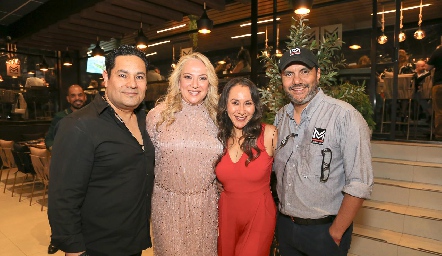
{"type": "Point", "coordinates": [193, 26]}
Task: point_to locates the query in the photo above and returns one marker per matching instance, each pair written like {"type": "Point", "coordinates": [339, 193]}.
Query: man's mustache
{"type": "Point", "coordinates": [298, 85]}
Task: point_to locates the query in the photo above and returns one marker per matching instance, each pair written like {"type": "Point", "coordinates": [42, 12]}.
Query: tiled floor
{"type": "Point", "coordinates": [24, 229]}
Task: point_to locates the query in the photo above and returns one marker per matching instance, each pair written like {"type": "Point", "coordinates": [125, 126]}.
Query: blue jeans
{"type": "Point", "coordinates": [309, 240]}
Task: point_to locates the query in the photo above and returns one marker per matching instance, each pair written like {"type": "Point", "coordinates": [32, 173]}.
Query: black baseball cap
{"type": "Point", "coordinates": [298, 54]}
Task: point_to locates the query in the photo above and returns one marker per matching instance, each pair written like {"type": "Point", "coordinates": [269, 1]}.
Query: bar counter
{"type": "Point", "coordinates": [23, 130]}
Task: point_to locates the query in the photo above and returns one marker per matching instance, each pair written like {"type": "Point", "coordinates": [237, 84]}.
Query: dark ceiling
{"type": "Point", "coordinates": [56, 25]}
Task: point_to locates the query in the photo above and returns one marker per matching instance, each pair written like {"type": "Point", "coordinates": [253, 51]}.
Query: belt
{"type": "Point", "coordinates": [301, 221]}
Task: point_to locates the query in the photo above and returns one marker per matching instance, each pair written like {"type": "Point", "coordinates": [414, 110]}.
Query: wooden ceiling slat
{"type": "Point", "coordinates": [54, 29]}
{"type": "Point", "coordinates": [67, 43]}
{"type": "Point", "coordinates": [97, 32]}
{"type": "Point", "coordinates": [91, 14]}
{"type": "Point", "coordinates": [214, 4]}
{"type": "Point", "coordinates": [123, 13]}
{"type": "Point", "coordinates": [77, 20]}
{"type": "Point", "coordinates": [150, 9]}
{"type": "Point", "coordinates": [184, 6]}
{"type": "Point", "coordinates": [74, 40]}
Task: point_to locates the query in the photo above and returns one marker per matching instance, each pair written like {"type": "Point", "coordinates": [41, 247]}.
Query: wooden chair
{"type": "Point", "coordinates": [24, 165]}
{"type": "Point", "coordinates": [8, 161]}
{"type": "Point", "coordinates": [41, 160]}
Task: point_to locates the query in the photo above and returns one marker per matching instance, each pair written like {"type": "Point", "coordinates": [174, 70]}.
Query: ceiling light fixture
{"type": "Point", "coordinates": [44, 66]}
{"type": "Point", "coordinates": [382, 39]}
{"type": "Point", "coordinates": [97, 51]}
{"type": "Point", "coordinates": [67, 59]}
{"type": "Point", "coordinates": [405, 9]}
{"type": "Point", "coordinates": [163, 42]}
{"type": "Point", "coordinates": [1, 78]}
{"type": "Point", "coordinates": [302, 7]}
{"type": "Point", "coordinates": [141, 40]}
{"type": "Point", "coordinates": [172, 28]}
{"type": "Point", "coordinates": [419, 34]}
{"type": "Point", "coordinates": [246, 35]}
{"type": "Point", "coordinates": [266, 51]}
{"type": "Point", "coordinates": [259, 22]}
{"type": "Point", "coordinates": [402, 35]}
{"type": "Point", "coordinates": [204, 24]}
{"type": "Point", "coordinates": [278, 52]}
{"type": "Point", "coordinates": [149, 54]}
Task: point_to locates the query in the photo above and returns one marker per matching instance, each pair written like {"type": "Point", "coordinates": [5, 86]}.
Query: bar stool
{"type": "Point", "coordinates": [405, 92]}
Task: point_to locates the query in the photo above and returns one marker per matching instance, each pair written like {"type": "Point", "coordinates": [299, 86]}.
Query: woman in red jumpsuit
{"type": "Point", "coordinates": [247, 212]}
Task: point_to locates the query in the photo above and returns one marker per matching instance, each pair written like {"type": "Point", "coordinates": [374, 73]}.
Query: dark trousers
{"type": "Point", "coordinates": [309, 240]}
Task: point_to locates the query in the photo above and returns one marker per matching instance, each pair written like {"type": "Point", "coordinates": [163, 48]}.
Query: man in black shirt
{"type": "Point", "coordinates": [76, 99]}
{"type": "Point", "coordinates": [435, 62]}
{"type": "Point", "coordinates": [102, 167]}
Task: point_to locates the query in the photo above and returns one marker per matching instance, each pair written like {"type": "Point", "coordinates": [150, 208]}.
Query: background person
{"type": "Point", "coordinates": [153, 75]}
{"type": "Point", "coordinates": [102, 167]}
{"type": "Point", "coordinates": [323, 162]}
{"type": "Point", "coordinates": [247, 212]}
{"type": "Point", "coordinates": [243, 62]}
{"type": "Point", "coordinates": [183, 131]}
{"type": "Point", "coordinates": [435, 62]}
{"type": "Point", "coordinates": [76, 99]}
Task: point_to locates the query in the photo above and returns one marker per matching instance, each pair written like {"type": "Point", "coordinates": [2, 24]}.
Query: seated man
{"type": "Point", "coordinates": [76, 98]}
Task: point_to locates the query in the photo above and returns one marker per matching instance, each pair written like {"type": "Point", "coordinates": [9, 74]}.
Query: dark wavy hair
{"type": "Point", "coordinates": [251, 130]}
{"type": "Point", "coordinates": [123, 50]}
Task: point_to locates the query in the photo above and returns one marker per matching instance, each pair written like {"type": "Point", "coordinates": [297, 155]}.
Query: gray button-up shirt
{"type": "Point", "coordinates": [326, 123]}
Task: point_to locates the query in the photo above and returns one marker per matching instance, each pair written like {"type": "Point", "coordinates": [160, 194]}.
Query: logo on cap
{"type": "Point", "coordinates": [295, 51]}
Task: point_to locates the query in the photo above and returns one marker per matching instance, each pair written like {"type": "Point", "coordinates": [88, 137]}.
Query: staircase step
{"type": "Point", "coordinates": [420, 152]}
{"type": "Point", "coordinates": [399, 218]}
{"type": "Point", "coordinates": [371, 241]}
{"type": "Point", "coordinates": [408, 193]}
{"type": "Point", "coordinates": [422, 172]}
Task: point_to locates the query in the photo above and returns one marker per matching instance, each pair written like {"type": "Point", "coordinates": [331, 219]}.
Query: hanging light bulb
{"type": "Point", "coordinates": [402, 35]}
{"type": "Point", "coordinates": [67, 59]}
{"type": "Point", "coordinates": [44, 66]}
{"type": "Point", "coordinates": [266, 52]}
{"type": "Point", "coordinates": [382, 39]}
{"type": "Point", "coordinates": [173, 65]}
{"type": "Point", "coordinates": [278, 52]}
{"type": "Point", "coordinates": [419, 34]}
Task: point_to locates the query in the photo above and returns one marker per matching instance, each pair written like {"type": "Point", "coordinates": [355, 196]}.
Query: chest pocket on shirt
{"type": "Point", "coordinates": [311, 159]}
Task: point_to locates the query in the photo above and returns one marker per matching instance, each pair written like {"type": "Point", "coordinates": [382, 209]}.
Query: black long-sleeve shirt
{"type": "Point", "coordinates": [101, 183]}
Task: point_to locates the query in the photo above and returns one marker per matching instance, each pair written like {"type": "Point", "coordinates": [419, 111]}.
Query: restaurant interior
{"type": "Point", "coordinates": [48, 45]}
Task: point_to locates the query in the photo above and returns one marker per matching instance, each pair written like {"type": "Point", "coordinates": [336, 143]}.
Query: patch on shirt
{"type": "Point", "coordinates": [318, 136]}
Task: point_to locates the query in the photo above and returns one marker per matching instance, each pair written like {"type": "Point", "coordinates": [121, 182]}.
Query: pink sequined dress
{"type": "Point", "coordinates": [184, 201]}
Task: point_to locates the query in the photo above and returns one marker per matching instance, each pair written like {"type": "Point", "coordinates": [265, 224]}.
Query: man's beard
{"type": "Point", "coordinates": [307, 98]}
{"type": "Point", "coordinates": [77, 106]}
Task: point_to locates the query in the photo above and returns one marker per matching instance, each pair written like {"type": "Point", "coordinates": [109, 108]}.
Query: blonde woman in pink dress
{"type": "Point", "coordinates": [182, 128]}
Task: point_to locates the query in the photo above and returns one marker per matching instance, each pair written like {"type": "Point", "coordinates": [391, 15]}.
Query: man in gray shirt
{"type": "Point", "coordinates": [323, 163]}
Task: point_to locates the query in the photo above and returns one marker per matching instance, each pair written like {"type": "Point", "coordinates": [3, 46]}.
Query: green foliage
{"type": "Point", "coordinates": [329, 60]}
{"type": "Point", "coordinates": [192, 26]}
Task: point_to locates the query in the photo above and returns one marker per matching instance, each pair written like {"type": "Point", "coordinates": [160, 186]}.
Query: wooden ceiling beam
{"type": "Point", "coordinates": [150, 9]}
{"type": "Point", "coordinates": [219, 5]}
{"type": "Point", "coordinates": [92, 15]}
{"type": "Point", "coordinates": [122, 13]}
{"type": "Point", "coordinates": [67, 43]}
{"type": "Point", "coordinates": [45, 46]}
{"type": "Point", "coordinates": [101, 33]}
{"type": "Point", "coordinates": [54, 29]}
{"type": "Point", "coordinates": [77, 20]}
{"type": "Point", "coordinates": [183, 6]}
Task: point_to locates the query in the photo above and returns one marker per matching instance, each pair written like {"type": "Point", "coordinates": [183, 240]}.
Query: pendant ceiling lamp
{"type": "Point", "coordinates": [204, 24]}
{"type": "Point", "coordinates": [419, 34]}
{"type": "Point", "coordinates": [302, 7]}
{"type": "Point", "coordinates": [382, 39]}
{"type": "Point", "coordinates": [402, 35]}
{"type": "Point", "coordinates": [67, 59]}
{"type": "Point", "coordinates": [141, 40]}
{"type": "Point", "coordinates": [44, 66]}
{"type": "Point", "coordinates": [97, 51]}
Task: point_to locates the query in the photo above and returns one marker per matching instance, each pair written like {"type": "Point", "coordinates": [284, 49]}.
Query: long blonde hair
{"type": "Point", "coordinates": [173, 98]}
